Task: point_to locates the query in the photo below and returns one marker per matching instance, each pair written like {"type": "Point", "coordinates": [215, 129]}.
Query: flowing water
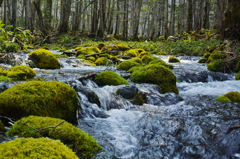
{"type": "Point", "coordinates": [188, 125]}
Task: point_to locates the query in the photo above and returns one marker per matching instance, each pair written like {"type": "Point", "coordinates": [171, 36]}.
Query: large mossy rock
{"type": "Point", "coordinates": [44, 59]}
{"type": "Point", "coordinates": [110, 78]}
{"type": "Point", "coordinates": [156, 74]}
{"type": "Point", "coordinates": [21, 72]}
{"type": "Point", "coordinates": [26, 148]}
{"type": "Point", "coordinates": [217, 66]}
{"type": "Point", "coordinates": [237, 77]}
{"type": "Point", "coordinates": [102, 61]}
{"type": "Point", "coordinates": [229, 97]}
{"type": "Point", "coordinates": [173, 59]}
{"type": "Point", "coordinates": [86, 50]}
{"type": "Point", "coordinates": [54, 99]}
{"type": "Point", "coordinates": [80, 142]}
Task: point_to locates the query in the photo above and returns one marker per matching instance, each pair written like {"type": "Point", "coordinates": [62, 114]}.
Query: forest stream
{"type": "Point", "coordinates": [188, 125]}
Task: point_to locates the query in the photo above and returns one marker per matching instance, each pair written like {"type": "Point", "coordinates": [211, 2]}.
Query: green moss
{"type": "Point", "coordinates": [134, 69]}
{"type": "Point", "coordinates": [21, 73]}
{"type": "Point", "coordinates": [3, 72]}
{"type": "Point", "coordinates": [110, 78]}
{"type": "Point", "coordinates": [80, 142]}
{"type": "Point", "coordinates": [143, 53]}
{"type": "Point", "coordinates": [161, 62]}
{"type": "Point", "coordinates": [11, 47]}
{"type": "Point", "coordinates": [54, 99]}
{"type": "Point", "coordinates": [3, 78]}
{"type": "Point", "coordinates": [2, 127]}
{"type": "Point", "coordinates": [162, 53]}
{"type": "Point", "coordinates": [156, 74]}
{"type": "Point", "coordinates": [146, 59]}
{"type": "Point", "coordinates": [86, 50]}
{"type": "Point", "coordinates": [203, 60]}
{"type": "Point", "coordinates": [173, 59]}
{"type": "Point", "coordinates": [131, 53]}
{"type": "Point", "coordinates": [237, 67]}
{"type": "Point", "coordinates": [122, 47]}
{"type": "Point", "coordinates": [217, 56]}
{"type": "Point", "coordinates": [206, 55]}
{"type": "Point", "coordinates": [223, 99]}
{"type": "Point", "coordinates": [237, 77]}
{"type": "Point", "coordinates": [81, 57]}
{"type": "Point", "coordinates": [60, 56]}
{"type": "Point", "coordinates": [217, 66]}
{"type": "Point", "coordinates": [108, 48]}
{"type": "Point", "coordinates": [91, 58]}
{"type": "Point", "coordinates": [35, 148]}
{"type": "Point", "coordinates": [102, 61]}
{"type": "Point", "coordinates": [114, 59]}
{"type": "Point", "coordinates": [44, 59]}
{"type": "Point", "coordinates": [101, 45]}
{"type": "Point", "coordinates": [138, 100]}
{"type": "Point", "coordinates": [126, 65]}
{"type": "Point", "coordinates": [136, 59]}
{"type": "Point", "coordinates": [233, 96]}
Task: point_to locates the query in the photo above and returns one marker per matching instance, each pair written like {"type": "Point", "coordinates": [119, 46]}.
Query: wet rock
{"type": "Point", "coordinates": [127, 92]}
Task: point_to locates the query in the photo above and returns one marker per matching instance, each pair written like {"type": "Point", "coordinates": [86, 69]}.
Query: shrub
{"type": "Point", "coordinates": [54, 99]}
{"type": "Point", "coordinates": [173, 59]}
{"type": "Point", "coordinates": [21, 72]}
{"type": "Point", "coordinates": [156, 74]}
{"type": "Point", "coordinates": [102, 61]}
{"type": "Point", "coordinates": [80, 142]}
{"type": "Point", "coordinates": [110, 78]}
{"type": "Point", "coordinates": [126, 65]}
{"type": "Point", "coordinates": [44, 59]}
{"type": "Point", "coordinates": [35, 148]}
{"type": "Point", "coordinates": [11, 47]}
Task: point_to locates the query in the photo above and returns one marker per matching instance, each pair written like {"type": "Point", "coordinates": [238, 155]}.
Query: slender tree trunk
{"type": "Point", "coordinates": [5, 13]}
{"type": "Point", "coordinates": [117, 19]}
{"type": "Point", "coordinates": [136, 19]}
{"type": "Point", "coordinates": [189, 16]}
{"type": "Point", "coordinates": [14, 13]}
{"type": "Point", "coordinates": [48, 15]}
{"type": "Point", "coordinates": [102, 26]}
{"type": "Point", "coordinates": [206, 15]}
{"type": "Point", "coordinates": [172, 24]}
{"type": "Point", "coordinates": [166, 20]}
{"type": "Point", "coordinates": [65, 14]}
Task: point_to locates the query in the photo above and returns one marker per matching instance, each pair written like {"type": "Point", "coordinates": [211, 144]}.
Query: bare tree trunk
{"type": "Point", "coordinates": [5, 13]}
{"type": "Point", "coordinates": [65, 14]}
{"type": "Point", "coordinates": [189, 16]}
{"type": "Point", "coordinates": [206, 15]}
{"type": "Point", "coordinates": [125, 20]}
{"type": "Point", "coordinates": [48, 15]}
{"type": "Point", "coordinates": [172, 22]}
{"type": "Point", "coordinates": [14, 13]}
{"type": "Point", "coordinates": [102, 26]}
{"type": "Point", "coordinates": [166, 19]}
{"type": "Point", "coordinates": [136, 19]}
{"type": "Point", "coordinates": [117, 19]}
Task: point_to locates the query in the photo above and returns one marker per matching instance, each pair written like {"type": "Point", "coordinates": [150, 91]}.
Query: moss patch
{"type": "Point", "coordinates": [229, 97]}
{"type": "Point", "coordinates": [3, 72]}
{"type": "Point", "coordinates": [110, 78]}
{"type": "Point", "coordinates": [237, 77]}
{"type": "Point", "coordinates": [217, 66]}
{"type": "Point", "coordinates": [126, 65]}
{"type": "Point", "coordinates": [54, 99]}
{"type": "Point", "coordinates": [146, 59]}
{"type": "Point", "coordinates": [21, 73]}
{"type": "Point", "coordinates": [80, 142]}
{"type": "Point", "coordinates": [156, 74]}
{"type": "Point", "coordinates": [3, 78]}
{"type": "Point", "coordinates": [86, 50]}
{"type": "Point", "coordinates": [44, 59]}
{"type": "Point", "coordinates": [223, 99]}
{"type": "Point", "coordinates": [122, 47]}
{"type": "Point", "coordinates": [203, 60]}
{"type": "Point", "coordinates": [102, 61]}
{"type": "Point", "coordinates": [35, 148]}
{"type": "Point", "coordinates": [173, 59]}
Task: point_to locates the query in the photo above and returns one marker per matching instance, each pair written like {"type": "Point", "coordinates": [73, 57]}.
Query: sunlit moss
{"type": "Point", "coordinates": [3, 72]}
{"type": "Point", "coordinates": [143, 53]}
{"type": "Point", "coordinates": [131, 53]}
{"type": "Point", "coordinates": [86, 50]}
{"type": "Point", "coordinates": [35, 148]}
{"type": "Point", "coordinates": [110, 78]}
{"type": "Point", "coordinates": [217, 66]}
{"type": "Point", "coordinates": [229, 97]}
{"type": "Point", "coordinates": [122, 47]}
{"type": "Point", "coordinates": [146, 59]}
{"type": "Point", "coordinates": [126, 65]}
{"type": "Point", "coordinates": [203, 60]}
{"type": "Point", "coordinates": [52, 98]}
{"type": "Point", "coordinates": [21, 72]}
{"type": "Point", "coordinates": [80, 142]}
{"type": "Point", "coordinates": [44, 59]}
{"type": "Point", "coordinates": [173, 59]}
{"type": "Point", "coordinates": [102, 61]}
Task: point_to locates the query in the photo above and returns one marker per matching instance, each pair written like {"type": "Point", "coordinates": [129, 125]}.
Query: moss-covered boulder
{"type": "Point", "coordinates": [202, 60]}
{"type": "Point", "coordinates": [110, 78]}
{"type": "Point", "coordinates": [131, 53]}
{"type": "Point", "coordinates": [173, 59]}
{"type": "Point", "coordinates": [80, 142]}
{"type": "Point", "coordinates": [21, 72]}
{"type": "Point", "coordinates": [143, 53]}
{"type": "Point", "coordinates": [237, 77]}
{"type": "Point", "coordinates": [3, 78]}
{"type": "Point", "coordinates": [102, 61]}
{"type": "Point", "coordinates": [108, 48]}
{"type": "Point", "coordinates": [86, 50]}
{"type": "Point", "coordinates": [206, 55]}
{"type": "Point", "coordinates": [35, 148]}
{"type": "Point", "coordinates": [3, 72]}
{"type": "Point", "coordinates": [217, 56]}
{"type": "Point", "coordinates": [126, 65]}
{"type": "Point", "coordinates": [44, 59]}
{"type": "Point", "coordinates": [161, 62]}
{"type": "Point", "coordinates": [136, 59]}
{"type": "Point", "coordinates": [122, 47]}
{"type": "Point", "coordinates": [217, 66]}
{"type": "Point", "coordinates": [229, 97]}
{"type": "Point", "coordinates": [52, 98]}
{"type": "Point", "coordinates": [156, 74]}
{"type": "Point", "coordinates": [146, 59]}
